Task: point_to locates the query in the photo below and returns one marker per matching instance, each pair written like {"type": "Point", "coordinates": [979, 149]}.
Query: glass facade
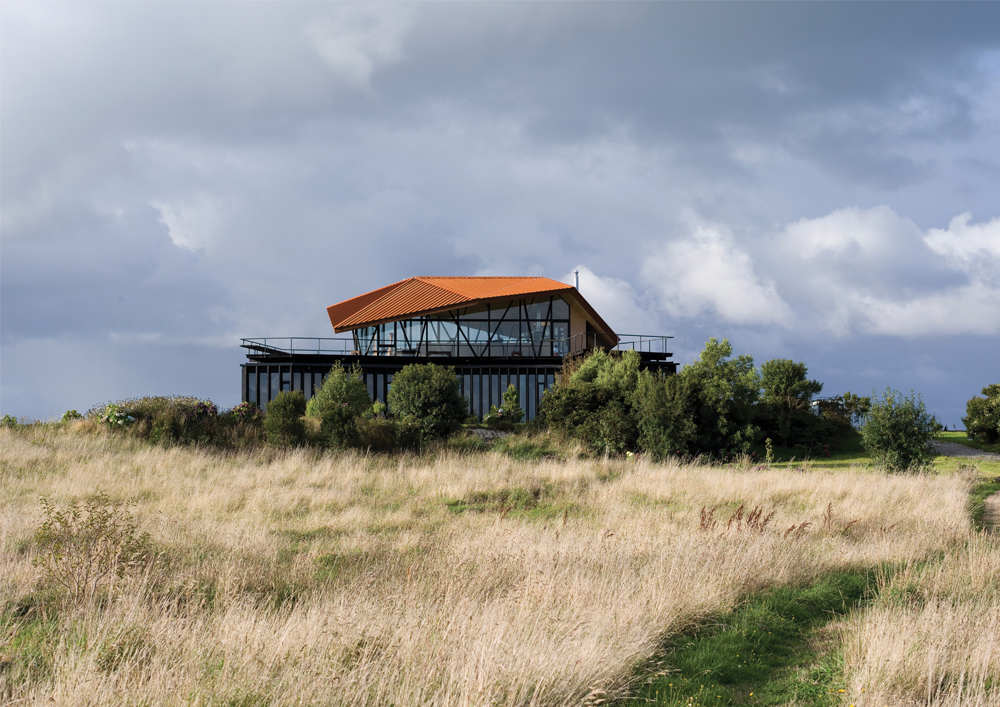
{"type": "Point", "coordinates": [518, 328]}
{"type": "Point", "coordinates": [482, 386]}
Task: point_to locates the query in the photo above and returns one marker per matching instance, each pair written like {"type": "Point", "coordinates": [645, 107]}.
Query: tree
{"type": "Point", "coordinates": [338, 403]}
{"type": "Point", "coordinates": [786, 393]}
{"type": "Point", "coordinates": [856, 407]}
{"type": "Point", "coordinates": [283, 422]}
{"type": "Point", "coordinates": [783, 382]}
{"type": "Point", "coordinates": [664, 408]}
{"type": "Point", "coordinates": [982, 415]}
{"type": "Point", "coordinates": [428, 396]}
{"type": "Point", "coordinates": [898, 431]}
{"type": "Point", "coordinates": [723, 391]}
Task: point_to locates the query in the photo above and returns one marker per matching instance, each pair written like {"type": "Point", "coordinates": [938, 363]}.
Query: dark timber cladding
{"type": "Point", "coordinates": [494, 331]}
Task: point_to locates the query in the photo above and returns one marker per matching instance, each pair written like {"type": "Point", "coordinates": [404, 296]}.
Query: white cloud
{"type": "Point", "coordinates": [873, 271]}
{"type": "Point", "coordinates": [707, 273]}
{"type": "Point", "coordinates": [617, 302]}
{"type": "Point", "coordinates": [968, 243]}
{"type": "Point", "coordinates": [972, 309]}
{"type": "Point", "coordinates": [355, 41]}
{"type": "Point", "coordinates": [193, 223]}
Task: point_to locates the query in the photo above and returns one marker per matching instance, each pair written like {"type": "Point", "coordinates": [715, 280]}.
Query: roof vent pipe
{"type": "Point", "coordinates": [577, 273]}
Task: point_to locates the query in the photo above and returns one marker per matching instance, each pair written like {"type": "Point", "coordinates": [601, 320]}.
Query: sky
{"type": "Point", "coordinates": [814, 182]}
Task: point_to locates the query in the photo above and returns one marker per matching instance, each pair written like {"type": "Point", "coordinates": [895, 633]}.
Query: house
{"type": "Point", "coordinates": [494, 331]}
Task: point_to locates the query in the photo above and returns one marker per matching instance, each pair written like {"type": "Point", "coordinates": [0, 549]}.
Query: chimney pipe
{"type": "Point", "coordinates": [577, 273]}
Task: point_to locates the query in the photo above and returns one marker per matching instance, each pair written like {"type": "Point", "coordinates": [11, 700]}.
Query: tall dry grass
{"type": "Point", "coordinates": [933, 637]}
{"type": "Point", "coordinates": [293, 577]}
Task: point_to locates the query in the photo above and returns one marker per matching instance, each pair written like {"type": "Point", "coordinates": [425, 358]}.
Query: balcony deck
{"type": "Point", "coordinates": [651, 347]}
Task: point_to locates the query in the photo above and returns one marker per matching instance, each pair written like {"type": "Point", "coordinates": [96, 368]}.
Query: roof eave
{"type": "Point", "coordinates": [462, 305]}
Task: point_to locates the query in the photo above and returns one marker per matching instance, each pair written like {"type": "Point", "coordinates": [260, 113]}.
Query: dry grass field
{"type": "Point", "coordinates": [293, 577]}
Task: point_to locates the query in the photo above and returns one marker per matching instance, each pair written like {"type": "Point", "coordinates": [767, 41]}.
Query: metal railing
{"type": "Point", "coordinates": [300, 344]}
{"type": "Point", "coordinates": [650, 343]}
{"type": "Point", "coordinates": [345, 345]}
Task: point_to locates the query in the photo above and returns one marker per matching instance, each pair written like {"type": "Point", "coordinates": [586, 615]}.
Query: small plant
{"type": "Point", "coordinates": [86, 546]}
{"type": "Point", "coordinates": [8, 421]}
{"type": "Point", "coordinates": [508, 414]}
{"type": "Point", "coordinates": [205, 408]}
{"type": "Point", "coordinates": [114, 417]}
{"type": "Point", "coordinates": [246, 412]}
{"type": "Point", "coordinates": [283, 423]}
{"type": "Point", "coordinates": [768, 452]}
{"type": "Point", "coordinates": [71, 415]}
{"type": "Point", "coordinates": [898, 431]}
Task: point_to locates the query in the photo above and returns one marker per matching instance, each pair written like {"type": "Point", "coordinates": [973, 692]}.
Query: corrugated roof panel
{"type": "Point", "coordinates": [419, 295]}
{"type": "Point", "coordinates": [340, 311]}
{"type": "Point", "coordinates": [487, 287]}
{"type": "Point", "coordinates": [408, 297]}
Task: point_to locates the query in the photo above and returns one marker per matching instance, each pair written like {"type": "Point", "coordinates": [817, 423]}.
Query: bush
{"type": "Point", "coordinates": [8, 421]}
{"type": "Point", "coordinates": [86, 545]}
{"type": "Point", "coordinates": [71, 415]}
{"type": "Point", "coordinates": [283, 423]}
{"type": "Point", "coordinates": [163, 419]}
{"type": "Point", "coordinates": [898, 431]}
{"type": "Point", "coordinates": [428, 396]}
{"type": "Point", "coordinates": [246, 412]}
{"type": "Point", "coordinates": [592, 402]}
{"type": "Point", "coordinates": [982, 416]}
{"type": "Point", "coordinates": [722, 393]}
{"type": "Point", "coordinates": [338, 404]}
{"type": "Point", "coordinates": [508, 414]}
{"type": "Point", "coordinates": [115, 417]}
{"type": "Point", "coordinates": [382, 434]}
{"type": "Point", "coordinates": [664, 410]}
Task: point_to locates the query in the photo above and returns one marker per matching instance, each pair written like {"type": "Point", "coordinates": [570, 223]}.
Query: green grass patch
{"type": "Point", "coordinates": [765, 652]}
{"type": "Point", "coordinates": [541, 502]}
{"type": "Point", "coordinates": [526, 449]}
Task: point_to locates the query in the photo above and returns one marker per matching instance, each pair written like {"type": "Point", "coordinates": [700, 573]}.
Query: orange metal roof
{"type": "Point", "coordinates": [423, 295]}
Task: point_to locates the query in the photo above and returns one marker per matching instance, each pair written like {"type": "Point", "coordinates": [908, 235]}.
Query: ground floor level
{"type": "Point", "coordinates": [481, 380]}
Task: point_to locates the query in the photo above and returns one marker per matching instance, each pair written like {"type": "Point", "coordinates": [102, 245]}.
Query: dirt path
{"type": "Point", "coordinates": [991, 510]}
{"type": "Point", "coordinates": [954, 449]}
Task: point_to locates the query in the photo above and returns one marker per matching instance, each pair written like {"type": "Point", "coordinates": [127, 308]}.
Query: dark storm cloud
{"type": "Point", "coordinates": [196, 172]}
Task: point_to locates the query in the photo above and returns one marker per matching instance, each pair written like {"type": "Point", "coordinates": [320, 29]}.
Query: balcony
{"type": "Point", "coordinates": [650, 346]}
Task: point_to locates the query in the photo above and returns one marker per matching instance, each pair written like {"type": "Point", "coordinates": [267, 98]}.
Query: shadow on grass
{"type": "Point", "coordinates": [763, 653]}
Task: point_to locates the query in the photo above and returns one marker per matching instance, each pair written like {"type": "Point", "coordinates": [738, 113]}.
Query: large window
{"type": "Point", "coordinates": [532, 327]}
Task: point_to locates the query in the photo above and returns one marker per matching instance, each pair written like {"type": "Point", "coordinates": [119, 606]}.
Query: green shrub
{"type": "Point", "coordinates": [982, 416]}
{"type": "Point", "coordinates": [898, 431]}
{"type": "Point", "coordinates": [71, 415]}
{"type": "Point", "coordinates": [163, 419]}
{"type": "Point", "coordinates": [664, 410]}
{"type": "Point", "coordinates": [592, 402]}
{"type": "Point", "coordinates": [722, 393]}
{"type": "Point", "coordinates": [85, 546]}
{"type": "Point", "coordinates": [115, 416]}
{"type": "Point", "coordinates": [283, 423]}
{"type": "Point", "coordinates": [8, 421]}
{"type": "Point", "coordinates": [338, 404]}
{"type": "Point", "coordinates": [245, 412]}
{"type": "Point", "coordinates": [382, 434]}
{"type": "Point", "coordinates": [428, 396]}
{"type": "Point", "coordinates": [508, 414]}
